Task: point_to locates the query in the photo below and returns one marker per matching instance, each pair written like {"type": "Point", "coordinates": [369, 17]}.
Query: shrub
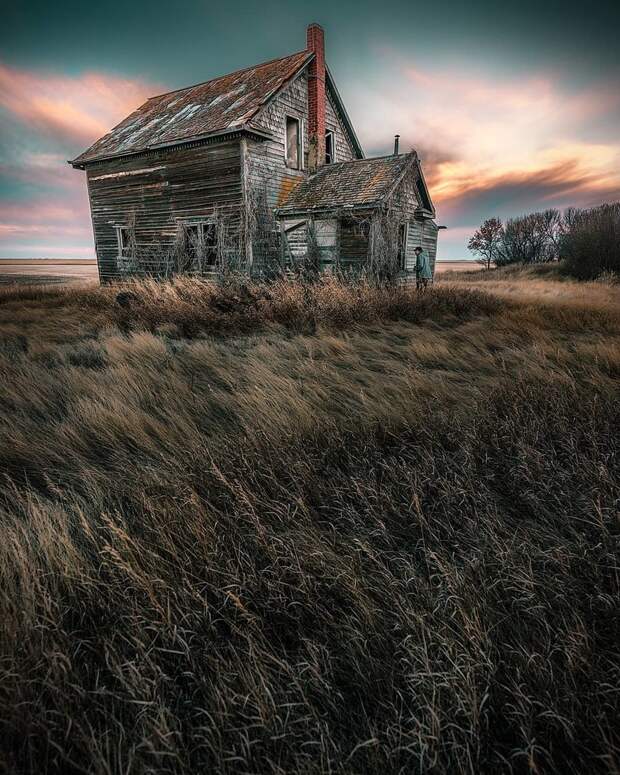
{"type": "Point", "coordinates": [591, 244]}
{"type": "Point", "coordinates": [588, 240]}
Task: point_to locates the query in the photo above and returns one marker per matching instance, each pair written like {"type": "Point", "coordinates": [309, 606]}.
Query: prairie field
{"type": "Point", "coordinates": [310, 529]}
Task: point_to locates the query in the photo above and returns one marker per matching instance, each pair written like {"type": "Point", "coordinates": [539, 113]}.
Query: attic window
{"type": "Point", "coordinates": [330, 147]}
{"type": "Point", "coordinates": [293, 143]}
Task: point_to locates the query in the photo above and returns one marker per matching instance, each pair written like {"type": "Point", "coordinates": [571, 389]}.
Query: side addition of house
{"type": "Point", "coordinates": [256, 167]}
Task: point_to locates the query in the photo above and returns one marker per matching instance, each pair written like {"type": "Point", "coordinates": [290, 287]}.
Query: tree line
{"type": "Point", "coordinates": [587, 241]}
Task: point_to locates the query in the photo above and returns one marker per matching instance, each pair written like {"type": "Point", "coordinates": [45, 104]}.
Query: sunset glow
{"type": "Point", "coordinates": [494, 140]}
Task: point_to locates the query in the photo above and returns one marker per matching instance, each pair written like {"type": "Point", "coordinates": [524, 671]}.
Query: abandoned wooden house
{"type": "Point", "coordinates": [252, 170]}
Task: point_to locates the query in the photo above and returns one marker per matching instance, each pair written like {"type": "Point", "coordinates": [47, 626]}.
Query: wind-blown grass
{"type": "Point", "coordinates": [308, 530]}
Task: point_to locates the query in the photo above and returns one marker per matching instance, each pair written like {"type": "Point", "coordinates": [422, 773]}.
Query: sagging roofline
{"type": "Point", "coordinates": [226, 134]}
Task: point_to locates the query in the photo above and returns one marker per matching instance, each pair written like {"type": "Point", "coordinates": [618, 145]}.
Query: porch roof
{"type": "Point", "coordinates": [359, 183]}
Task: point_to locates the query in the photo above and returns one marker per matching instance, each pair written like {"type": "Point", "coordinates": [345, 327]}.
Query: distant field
{"type": "Point", "coordinates": [47, 271]}
{"type": "Point", "coordinates": [456, 266]}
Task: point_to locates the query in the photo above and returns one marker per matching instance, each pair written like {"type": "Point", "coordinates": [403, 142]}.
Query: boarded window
{"type": "Point", "coordinates": [353, 242]}
{"type": "Point", "coordinates": [330, 148]}
{"type": "Point", "coordinates": [295, 242]}
{"type": "Point", "coordinates": [293, 143]}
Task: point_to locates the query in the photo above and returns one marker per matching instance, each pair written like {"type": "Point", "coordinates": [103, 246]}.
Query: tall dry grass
{"type": "Point", "coordinates": [361, 531]}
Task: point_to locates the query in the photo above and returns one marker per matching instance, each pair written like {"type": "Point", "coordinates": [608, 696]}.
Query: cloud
{"type": "Point", "coordinates": [47, 117]}
{"type": "Point", "coordinates": [492, 143]}
{"type": "Point", "coordinates": [558, 185]}
{"type": "Point", "coordinates": [564, 171]}
{"type": "Point", "coordinates": [38, 216]}
{"type": "Point", "coordinates": [81, 108]}
{"type": "Point", "coordinates": [464, 123]}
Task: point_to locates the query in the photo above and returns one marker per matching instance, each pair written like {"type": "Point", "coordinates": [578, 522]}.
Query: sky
{"type": "Point", "coordinates": [512, 106]}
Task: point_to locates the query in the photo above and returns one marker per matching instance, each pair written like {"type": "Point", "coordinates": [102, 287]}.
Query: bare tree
{"type": "Point", "coordinates": [487, 241]}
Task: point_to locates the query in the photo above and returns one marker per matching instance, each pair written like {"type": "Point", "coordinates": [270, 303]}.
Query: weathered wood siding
{"type": "Point", "coordinates": [154, 191]}
{"type": "Point", "coordinates": [266, 170]}
{"type": "Point", "coordinates": [421, 232]}
{"type": "Point", "coordinates": [429, 243]}
{"type": "Point", "coordinates": [325, 232]}
{"type": "Point", "coordinates": [344, 146]}
{"type": "Point", "coordinates": [266, 161]}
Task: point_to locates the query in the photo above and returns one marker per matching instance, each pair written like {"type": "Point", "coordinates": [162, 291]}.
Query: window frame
{"type": "Point", "coordinates": [123, 241]}
{"type": "Point", "coordinates": [300, 142]}
{"type": "Point", "coordinates": [203, 249]}
{"type": "Point", "coordinates": [332, 135]}
{"type": "Point", "coordinates": [403, 240]}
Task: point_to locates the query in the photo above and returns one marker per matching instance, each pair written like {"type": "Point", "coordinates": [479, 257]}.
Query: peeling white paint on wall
{"type": "Point", "coordinates": [126, 174]}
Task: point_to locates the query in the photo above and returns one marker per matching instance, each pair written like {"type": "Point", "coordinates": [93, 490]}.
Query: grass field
{"type": "Point", "coordinates": [311, 530]}
{"type": "Point", "coordinates": [48, 271]}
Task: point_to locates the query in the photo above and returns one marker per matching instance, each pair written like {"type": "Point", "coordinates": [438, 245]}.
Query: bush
{"type": "Point", "coordinates": [589, 240]}
{"type": "Point", "coordinates": [591, 244]}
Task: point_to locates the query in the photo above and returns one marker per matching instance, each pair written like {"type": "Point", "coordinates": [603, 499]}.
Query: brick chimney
{"type": "Point", "coordinates": [316, 97]}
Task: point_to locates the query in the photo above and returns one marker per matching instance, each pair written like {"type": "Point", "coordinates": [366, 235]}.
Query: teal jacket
{"type": "Point", "coordinates": [423, 266]}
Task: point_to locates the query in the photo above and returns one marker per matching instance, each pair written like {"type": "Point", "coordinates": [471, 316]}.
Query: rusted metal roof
{"type": "Point", "coordinates": [358, 183]}
{"type": "Point", "coordinates": [222, 104]}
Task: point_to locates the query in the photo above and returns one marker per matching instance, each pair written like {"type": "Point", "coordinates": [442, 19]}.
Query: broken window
{"type": "Point", "coordinates": [293, 143]}
{"type": "Point", "coordinates": [192, 242]}
{"type": "Point", "coordinates": [123, 240]}
{"type": "Point", "coordinates": [330, 147]}
{"type": "Point", "coordinates": [201, 244]}
{"type": "Point", "coordinates": [209, 241]}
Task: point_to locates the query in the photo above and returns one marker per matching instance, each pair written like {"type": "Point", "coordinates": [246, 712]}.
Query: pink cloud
{"type": "Point", "coordinates": [8, 230]}
{"type": "Point", "coordinates": [65, 112]}
{"type": "Point", "coordinates": [63, 218]}
{"type": "Point", "coordinates": [40, 209]}
{"type": "Point", "coordinates": [80, 108]}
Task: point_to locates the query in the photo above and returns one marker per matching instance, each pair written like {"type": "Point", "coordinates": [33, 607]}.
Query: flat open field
{"type": "Point", "coordinates": [310, 529]}
{"type": "Point", "coordinates": [456, 266]}
{"type": "Point", "coordinates": [44, 271]}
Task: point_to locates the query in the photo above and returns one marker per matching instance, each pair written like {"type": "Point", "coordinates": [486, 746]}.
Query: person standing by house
{"type": "Point", "coordinates": [423, 272]}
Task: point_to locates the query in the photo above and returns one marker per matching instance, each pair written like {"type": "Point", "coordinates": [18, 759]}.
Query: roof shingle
{"type": "Point", "coordinates": [223, 103]}
{"type": "Point", "coordinates": [350, 183]}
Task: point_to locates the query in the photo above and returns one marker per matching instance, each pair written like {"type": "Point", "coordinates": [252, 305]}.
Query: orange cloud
{"type": "Point", "coordinates": [81, 108]}
{"type": "Point", "coordinates": [574, 170]}
{"type": "Point", "coordinates": [495, 143]}
{"type": "Point", "coordinates": [67, 114]}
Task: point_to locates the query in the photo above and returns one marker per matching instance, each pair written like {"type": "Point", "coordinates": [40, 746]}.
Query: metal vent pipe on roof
{"type": "Point", "coordinates": [396, 138]}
